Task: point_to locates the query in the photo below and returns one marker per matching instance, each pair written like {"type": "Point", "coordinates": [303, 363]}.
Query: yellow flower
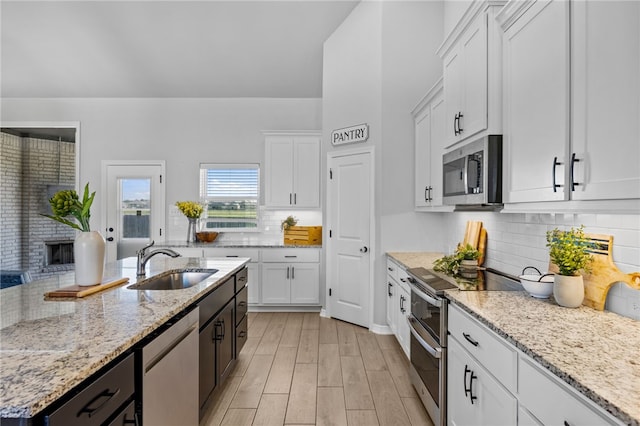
{"type": "Point", "coordinates": [190, 209]}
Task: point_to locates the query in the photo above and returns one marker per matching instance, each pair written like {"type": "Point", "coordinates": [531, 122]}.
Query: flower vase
{"type": "Point", "coordinates": [88, 252]}
{"type": "Point", "coordinates": [193, 228]}
{"type": "Point", "coordinates": [568, 290]}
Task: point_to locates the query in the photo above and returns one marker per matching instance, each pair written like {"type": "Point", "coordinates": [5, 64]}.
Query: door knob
{"type": "Point", "coordinates": [110, 239]}
{"type": "Point", "coordinates": [364, 249]}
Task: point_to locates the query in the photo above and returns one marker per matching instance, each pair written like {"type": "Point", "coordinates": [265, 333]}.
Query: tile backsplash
{"type": "Point", "coordinates": [516, 240]}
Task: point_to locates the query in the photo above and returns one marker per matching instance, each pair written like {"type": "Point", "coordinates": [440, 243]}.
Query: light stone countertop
{"type": "Point", "coordinates": [239, 241]}
{"type": "Point", "coordinates": [597, 353]}
{"type": "Point", "coordinates": [48, 347]}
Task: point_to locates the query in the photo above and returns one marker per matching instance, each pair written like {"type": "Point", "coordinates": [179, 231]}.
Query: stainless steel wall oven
{"type": "Point", "coordinates": [428, 326]}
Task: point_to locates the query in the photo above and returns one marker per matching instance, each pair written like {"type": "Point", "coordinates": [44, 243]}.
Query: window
{"type": "Point", "coordinates": [231, 194]}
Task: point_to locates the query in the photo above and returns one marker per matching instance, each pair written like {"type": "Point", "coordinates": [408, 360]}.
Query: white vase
{"type": "Point", "coordinates": [88, 252]}
{"type": "Point", "coordinates": [568, 290]}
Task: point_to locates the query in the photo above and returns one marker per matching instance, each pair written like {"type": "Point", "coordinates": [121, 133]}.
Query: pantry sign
{"type": "Point", "coordinates": [359, 133]}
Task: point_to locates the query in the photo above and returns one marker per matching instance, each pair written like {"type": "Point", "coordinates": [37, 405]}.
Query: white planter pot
{"type": "Point", "coordinates": [88, 251]}
{"type": "Point", "coordinates": [568, 290]}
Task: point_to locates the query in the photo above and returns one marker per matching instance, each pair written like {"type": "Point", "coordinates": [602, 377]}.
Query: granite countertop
{"type": "Point", "coordinates": [594, 352]}
{"type": "Point", "coordinates": [49, 346]}
{"type": "Point", "coordinates": [257, 241]}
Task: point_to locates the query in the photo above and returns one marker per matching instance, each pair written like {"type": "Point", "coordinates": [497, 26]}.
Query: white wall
{"type": "Point", "coordinates": [518, 240]}
{"type": "Point", "coordinates": [377, 66]}
{"type": "Point", "coordinates": [183, 132]}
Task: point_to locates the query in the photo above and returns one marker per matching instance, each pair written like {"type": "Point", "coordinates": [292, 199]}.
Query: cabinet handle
{"type": "Point", "coordinates": [290, 195]}
{"type": "Point", "coordinates": [574, 160]}
{"type": "Point", "coordinates": [430, 189]}
{"type": "Point", "coordinates": [455, 126]}
{"type": "Point", "coordinates": [553, 174]}
{"type": "Point", "coordinates": [224, 329]}
{"type": "Point", "coordinates": [287, 272]}
{"type": "Point", "coordinates": [469, 339]}
{"type": "Point", "coordinates": [390, 269]}
{"type": "Point", "coordinates": [293, 273]}
{"type": "Point", "coordinates": [402, 309]}
{"type": "Point", "coordinates": [389, 285]}
{"type": "Point", "coordinates": [242, 334]}
{"type": "Point", "coordinates": [426, 197]}
{"type": "Point", "coordinates": [89, 411]}
{"type": "Point", "coordinates": [466, 389]}
{"type": "Point", "coordinates": [295, 198]}
{"type": "Point", "coordinates": [242, 304]}
{"type": "Point", "coordinates": [566, 423]}
{"type": "Point", "coordinates": [460, 129]}
{"type": "Point", "coordinates": [291, 256]}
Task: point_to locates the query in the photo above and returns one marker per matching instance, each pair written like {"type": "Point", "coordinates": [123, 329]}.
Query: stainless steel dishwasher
{"type": "Point", "coordinates": [170, 375]}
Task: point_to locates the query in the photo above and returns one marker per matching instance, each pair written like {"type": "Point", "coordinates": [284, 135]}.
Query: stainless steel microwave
{"type": "Point", "coordinates": [472, 174]}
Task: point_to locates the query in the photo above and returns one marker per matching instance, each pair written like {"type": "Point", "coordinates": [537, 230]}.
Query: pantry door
{"type": "Point", "coordinates": [134, 213]}
{"type": "Point", "coordinates": [349, 213]}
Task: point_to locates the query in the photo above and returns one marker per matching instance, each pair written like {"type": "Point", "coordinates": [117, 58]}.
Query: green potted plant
{"type": "Point", "coordinates": [89, 246]}
{"type": "Point", "coordinates": [570, 252]}
{"type": "Point", "coordinates": [465, 257]}
{"type": "Point", "coordinates": [288, 223]}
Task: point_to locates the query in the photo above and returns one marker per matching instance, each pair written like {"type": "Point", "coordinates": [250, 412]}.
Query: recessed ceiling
{"type": "Point", "coordinates": [55, 49]}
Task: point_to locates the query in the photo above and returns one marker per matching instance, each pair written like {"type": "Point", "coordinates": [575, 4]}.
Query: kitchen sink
{"type": "Point", "coordinates": [173, 280]}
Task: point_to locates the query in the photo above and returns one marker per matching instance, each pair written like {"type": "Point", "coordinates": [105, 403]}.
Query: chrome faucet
{"type": "Point", "coordinates": [143, 257]}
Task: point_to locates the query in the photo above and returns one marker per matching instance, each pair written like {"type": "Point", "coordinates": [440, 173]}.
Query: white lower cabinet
{"type": "Point", "coordinates": [290, 277]}
{"type": "Point", "coordinates": [490, 382]}
{"type": "Point", "coordinates": [474, 396]}
{"type": "Point", "coordinates": [398, 304]}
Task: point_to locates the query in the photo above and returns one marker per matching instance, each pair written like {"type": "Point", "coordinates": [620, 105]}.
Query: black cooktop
{"type": "Point", "coordinates": [480, 279]}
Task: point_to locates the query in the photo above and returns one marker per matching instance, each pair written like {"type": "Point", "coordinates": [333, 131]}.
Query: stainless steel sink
{"type": "Point", "coordinates": [173, 280]}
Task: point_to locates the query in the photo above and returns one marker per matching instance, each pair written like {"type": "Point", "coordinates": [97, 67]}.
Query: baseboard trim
{"type": "Point", "coordinates": [380, 329]}
{"type": "Point", "coordinates": [284, 308]}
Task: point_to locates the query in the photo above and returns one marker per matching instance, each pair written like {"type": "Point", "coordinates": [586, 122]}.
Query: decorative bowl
{"type": "Point", "coordinates": [206, 236]}
{"type": "Point", "coordinates": [538, 286]}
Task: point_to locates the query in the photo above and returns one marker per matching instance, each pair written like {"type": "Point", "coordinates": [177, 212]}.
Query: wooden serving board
{"type": "Point", "coordinates": [476, 236]}
{"type": "Point", "coordinates": [82, 291]}
{"type": "Point", "coordinates": [604, 273]}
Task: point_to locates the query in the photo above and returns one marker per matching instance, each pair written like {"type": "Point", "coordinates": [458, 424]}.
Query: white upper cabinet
{"type": "Point", "coordinates": [605, 73]}
{"type": "Point", "coordinates": [571, 100]}
{"type": "Point", "coordinates": [429, 120]}
{"type": "Point", "coordinates": [292, 170]}
{"type": "Point", "coordinates": [472, 56]}
{"type": "Point", "coordinates": [536, 103]}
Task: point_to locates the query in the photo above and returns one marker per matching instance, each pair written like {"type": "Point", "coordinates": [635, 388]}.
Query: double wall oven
{"type": "Point", "coordinates": [428, 326]}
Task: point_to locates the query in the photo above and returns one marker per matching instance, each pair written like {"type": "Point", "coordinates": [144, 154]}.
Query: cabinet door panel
{"type": "Point", "coordinates": [474, 77]}
{"type": "Point", "coordinates": [453, 82]}
{"type": "Point", "coordinates": [438, 123]}
{"type": "Point", "coordinates": [225, 353]}
{"type": "Point", "coordinates": [493, 405]}
{"type": "Point", "coordinates": [279, 171]}
{"type": "Point", "coordinates": [606, 99]}
{"type": "Point", "coordinates": [306, 172]}
{"type": "Point", "coordinates": [403, 308]}
{"type": "Point", "coordinates": [276, 283]}
{"type": "Point", "coordinates": [392, 296]}
{"type": "Point", "coordinates": [207, 363]}
{"type": "Point", "coordinates": [422, 157]}
{"type": "Point", "coordinates": [305, 283]}
{"type": "Point", "coordinates": [536, 49]}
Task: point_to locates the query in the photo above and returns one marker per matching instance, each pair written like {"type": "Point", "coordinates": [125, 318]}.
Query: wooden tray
{"type": "Point", "coordinates": [82, 291]}
{"type": "Point", "coordinates": [604, 273]}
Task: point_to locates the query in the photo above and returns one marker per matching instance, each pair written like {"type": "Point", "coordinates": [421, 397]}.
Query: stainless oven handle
{"type": "Point", "coordinates": [424, 296]}
{"type": "Point", "coordinates": [435, 352]}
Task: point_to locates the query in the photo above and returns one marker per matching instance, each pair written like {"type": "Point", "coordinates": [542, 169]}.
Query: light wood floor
{"type": "Point", "coordinates": [299, 368]}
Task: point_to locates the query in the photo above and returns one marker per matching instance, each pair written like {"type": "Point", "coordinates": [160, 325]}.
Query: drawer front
{"type": "Point", "coordinates": [291, 255]}
{"type": "Point", "coordinates": [126, 417]}
{"type": "Point", "coordinates": [242, 278]}
{"type": "Point", "coordinates": [214, 301]}
{"type": "Point", "coordinates": [241, 304]}
{"type": "Point", "coordinates": [403, 279]}
{"type": "Point", "coordinates": [484, 345]}
{"type": "Point", "coordinates": [392, 269]}
{"type": "Point", "coordinates": [552, 402]}
{"type": "Point", "coordinates": [252, 253]}
{"type": "Point", "coordinates": [95, 404]}
{"type": "Point", "coordinates": [241, 335]}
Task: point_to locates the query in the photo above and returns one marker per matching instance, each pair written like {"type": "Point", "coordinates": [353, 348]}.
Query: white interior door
{"type": "Point", "coordinates": [134, 208]}
{"type": "Point", "coordinates": [349, 208]}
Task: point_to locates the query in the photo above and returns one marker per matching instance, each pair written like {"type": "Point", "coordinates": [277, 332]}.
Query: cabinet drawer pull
{"type": "Point", "coordinates": [242, 304]}
{"type": "Point", "coordinates": [287, 272]}
{"type": "Point", "coordinates": [469, 339]}
{"type": "Point", "coordinates": [460, 129]}
{"type": "Point", "coordinates": [455, 126]}
{"type": "Point", "coordinates": [389, 285]}
{"type": "Point", "coordinates": [293, 273]}
{"type": "Point", "coordinates": [242, 334]}
{"type": "Point", "coordinates": [89, 411]}
{"type": "Point", "coordinates": [574, 160]}
{"type": "Point", "coordinates": [231, 255]}
{"type": "Point", "coordinates": [290, 256]}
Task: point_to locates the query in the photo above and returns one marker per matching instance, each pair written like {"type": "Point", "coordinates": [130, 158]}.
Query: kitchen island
{"type": "Point", "coordinates": [49, 347]}
{"type": "Point", "coordinates": [595, 353]}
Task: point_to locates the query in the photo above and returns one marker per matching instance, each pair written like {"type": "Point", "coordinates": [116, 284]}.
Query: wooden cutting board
{"type": "Point", "coordinates": [482, 246]}
{"type": "Point", "coordinates": [472, 233]}
{"type": "Point", "coordinates": [82, 291]}
{"type": "Point", "coordinates": [604, 273]}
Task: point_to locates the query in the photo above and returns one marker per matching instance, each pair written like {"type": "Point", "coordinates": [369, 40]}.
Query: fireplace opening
{"type": "Point", "coordinates": [59, 253]}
